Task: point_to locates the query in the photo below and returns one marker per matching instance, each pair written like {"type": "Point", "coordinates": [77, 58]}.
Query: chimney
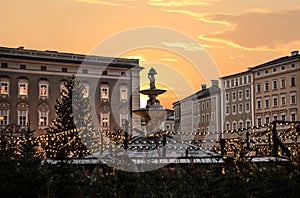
{"type": "Point", "coordinates": [203, 86]}
{"type": "Point", "coordinates": [214, 83]}
{"type": "Point", "coordinates": [294, 53]}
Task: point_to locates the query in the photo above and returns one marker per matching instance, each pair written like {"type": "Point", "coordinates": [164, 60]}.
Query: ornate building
{"type": "Point", "coordinates": [32, 80]}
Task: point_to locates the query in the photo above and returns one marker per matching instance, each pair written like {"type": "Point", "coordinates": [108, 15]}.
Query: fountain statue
{"type": "Point", "coordinates": [154, 112]}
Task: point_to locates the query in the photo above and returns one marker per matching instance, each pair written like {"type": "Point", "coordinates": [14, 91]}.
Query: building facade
{"type": "Point", "coordinates": [31, 82]}
{"type": "Point", "coordinates": [276, 90]}
{"type": "Point", "coordinates": [237, 101]}
{"type": "Point", "coordinates": [198, 116]}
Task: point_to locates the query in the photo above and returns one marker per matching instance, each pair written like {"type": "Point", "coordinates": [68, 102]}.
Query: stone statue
{"type": "Point", "coordinates": [151, 77]}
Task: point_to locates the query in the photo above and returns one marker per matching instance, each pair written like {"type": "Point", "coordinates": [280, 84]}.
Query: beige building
{"type": "Point", "coordinates": [31, 81]}
{"type": "Point", "coordinates": [276, 90]}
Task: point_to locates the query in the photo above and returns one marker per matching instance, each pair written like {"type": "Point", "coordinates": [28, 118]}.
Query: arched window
{"type": "Point", "coordinates": [4, 113]}
{"type": "Point", "coordinates": [43, 111]}
{"type": "Point", "coordinates": [22, 110]}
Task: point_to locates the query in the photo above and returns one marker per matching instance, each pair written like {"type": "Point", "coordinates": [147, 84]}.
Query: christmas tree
{"type": "Point", "coordinates": [72, 132]}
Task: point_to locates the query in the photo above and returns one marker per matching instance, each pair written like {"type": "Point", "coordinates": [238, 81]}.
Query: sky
{"type": "Point", "coordinates": [189, 43]}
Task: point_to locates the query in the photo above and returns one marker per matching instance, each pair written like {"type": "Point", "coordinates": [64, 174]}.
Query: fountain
{"type": "Point", "coordinates": [154, 112]}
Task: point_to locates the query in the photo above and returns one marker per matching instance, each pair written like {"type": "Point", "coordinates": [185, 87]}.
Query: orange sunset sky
{"type": "Point", "coordinates": [187, 42]}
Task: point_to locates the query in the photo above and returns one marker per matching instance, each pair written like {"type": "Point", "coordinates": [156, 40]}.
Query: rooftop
{"type": "Point", "coordinates": [50, 55]}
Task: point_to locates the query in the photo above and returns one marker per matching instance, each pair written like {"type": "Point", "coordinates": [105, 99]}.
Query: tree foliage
{"type": "Point", "coordinates": [73, 119]}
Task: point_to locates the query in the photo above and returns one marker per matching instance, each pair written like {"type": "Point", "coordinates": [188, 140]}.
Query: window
{"type": "Point", "coordinates": [245, 79]}
{"type": "Point", "coordinates": [227, 126]}
{"type": "Point", "coordinates": [227, 97]}
{"type": "Point", "coordinates": [266, 86]}
{"type": "Point", "coordinates": [104, 73]}
{"type": "Point", "coordinates": [275, 101]}
{"type": "Point", "coordinates": [207, 118]}
{"type": "Point", "coordinates": [247, 95]}
{"type": "Point", "coordinates": [282, 68]}
{"type": "Point", "coordinates": [283, 99]}
{"type": "Point", "coordinates": [43, 118]}
{"type": "Point", "coordinates": [293, 116]}
{"type": "Point", "coordinates": [104, 91]}
{"type": "Point", "coordinates": [43, 89]}
{"type": "Point", "coordinates": [203, 118]}
{"type": "Point", "coordinates": [274, 70]}
{"type": "Point", "coordinates": [232, 83]}
{"type": "Point", "coordinates": [258, 103]}
{"type": "Point", "coordinates": [43, 111]}
{"type": "Point", "coordinates": [105, 119]}
{"type": "Point", "coordinates": [275, 84]}
{"type": "Point", "coordinates": [247, 107]}
{"type": "Point", "coordinates": [203, 105]}
{"type": "Point", "coordinates": [84, 71]}
{"type": "Point", "coordinates": [275, 117]}
{"type": "Point", "coordinates": [213, 117]}
{"type": "Point", "coordinates": [207, 105]}
{"type": "Point", "coordinates": [233, 96]}
{"type": "Point", "coordinates": [86, 90]}
{"type": "Point", "coordinates": [293, 98]}
{"type": "Point", "coordinates": [258, 120]}
{"type": "Point", "coordinates": [227, 84]}
{"type": "Point", "coordinates": [240, 94]}
{"type": "Point", "coordinates": [123, 73]}
{"type": "Point", "coordinates": [62, 85]}
{"type": "Point", "coordinates": [123, 92]}
{"type": "Point", "coordinates": [249, 79]}
{"type": "Point", "coordinates": [283, 84]}
{"type": "Point", "coordinates": [258, 88]}
{"type": "Point", "coordinates": [283, 117]}
{"type": "Point", "coordinates": [293, 81]}
{"type": "Point", "coordinates": [236, 82]}
{"type": "Point", "coordinates": [4, 65]}
{"type": "Point", "coordinates": [213, 104]}
{"type": "Point", "coordinates": [23, 87]}
{"type": "Point", "coordinates": [233, 109]}
{"type": "Point", "coordinates": [267, 102]}
{"type": "Point", "coordinates": [267, 119]}
{"type": "Point", "coordinates": [22, 118]}
{"type": "Point", "coordinates": [293, 65]}
{"type": "Point", "coordinates": [4, 87]}
{"type": "Point", "coordinates": [43, 68]}
{"type": "Point", "coordinates": [266, 71]}
{"type": "Point", "coordinates": [227, 109]}
{"type": "Point", "coordinates": [257, 73]}
{"type": "Point", "coordinates": [123, 118]}
{"type": "Point", "coordinates": [22, 66]}
{"type": "Point", "coordinates": [64, 69]}
{"type": "Point", "coordinates": [241, 80]}
{"type": "Point", "coordinates": [234, 125]}
{"type": "Point", "coordinates": [240, 124]}
{"type": "Point", "coordinates": [248, 124]}
{"type": "Point", "coordinates": [3, 117]}
{"type": "Point", "coordinates": [240, 108]}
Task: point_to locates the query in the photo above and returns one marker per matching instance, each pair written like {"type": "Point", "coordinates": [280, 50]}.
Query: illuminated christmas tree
{"type": "Point", "coordinates": [72, 132]}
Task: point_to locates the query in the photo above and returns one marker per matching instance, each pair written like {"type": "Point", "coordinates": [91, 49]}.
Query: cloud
{"type": "Point", "coordinates": [178, 3]}
{"type": "Point", "coordinates": [258, 31]}
{"type": "Point", "coordinates": [108, 3]}
{"type": "Point", "coordinates": [125, 3]}
{"type": "Point", "coordinates": [169, 59]}
{"type": "Point", "coordinates": [201, 17]}
{"type": "Point", "coordinates": [186, 46]}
